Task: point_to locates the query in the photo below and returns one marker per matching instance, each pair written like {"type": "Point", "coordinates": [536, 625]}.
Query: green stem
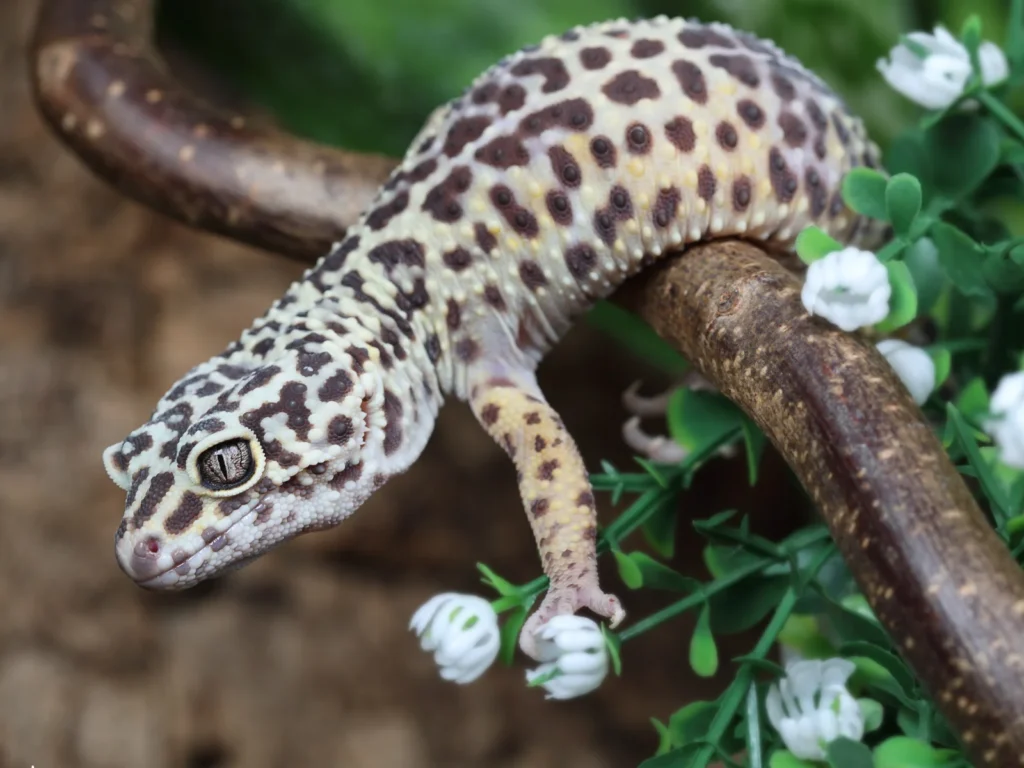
{"type": "Point", "coordinates": [1015, 31]}
{"type": "Point", "coordinates": [1001, 112]}
{"type": "Point", "coordinates": [734, 695]}
{"type": "Point", "coordinates": [695, 599]}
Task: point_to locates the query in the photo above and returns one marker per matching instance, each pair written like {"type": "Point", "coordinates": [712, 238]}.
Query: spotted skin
{"type": "Point", "coordinates": [560, 172]}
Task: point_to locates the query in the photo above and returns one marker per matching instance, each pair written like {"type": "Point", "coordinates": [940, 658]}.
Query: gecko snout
{"type": "Point", "coordinates": [143, 563]}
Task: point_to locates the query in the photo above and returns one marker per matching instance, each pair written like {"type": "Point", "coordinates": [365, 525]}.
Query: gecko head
{"type": "Point", "coordinates": [238, 459]}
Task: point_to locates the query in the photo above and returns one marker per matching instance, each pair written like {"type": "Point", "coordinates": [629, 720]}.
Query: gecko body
{"type": "Point", "coordinates": [561, 171]}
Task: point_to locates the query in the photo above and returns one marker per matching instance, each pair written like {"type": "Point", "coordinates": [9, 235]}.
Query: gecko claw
{"type": "Point", "coordinates": [568, 600]}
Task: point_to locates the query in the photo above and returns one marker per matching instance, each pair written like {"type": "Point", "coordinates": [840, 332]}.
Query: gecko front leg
{"type": "Point", "coordinates": [556, 494]}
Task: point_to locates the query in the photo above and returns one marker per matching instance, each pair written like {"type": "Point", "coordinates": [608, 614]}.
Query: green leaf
{"type": "Point", "coordinates": [968, 147]}
{"type": "Point", "coordinates": [961, 258]}
{"type": "Point", "coordinates": [903, 202]}
{"type": "Point", "coordinates": [786, 759]}
{"type": "Point", "coordinates": [813, 243]}
{"type": "Point", "coordinates": [664, 737]}
{"type": "Point", "coordinates": [973, 399]}
{"type": "Point", "coordinates": [703, 651]}
{"type": "Point", "coordinates": [660, 530]}
{"type": "Point", "coordinates": [873, 714]}
{"type": "Point", "coordinates": [904, 752]}
{"type": "Point", "coordinates": [846, 753]}
{"type": "Point", "coordinates": [614, 645]}
{"type": "Point", "coordinates": [754, 440]}
{"type": "Point", "coordinates": [690, 723]}
{"type": "Point", "coordinates": [888, 661]}
{"type": "Point", "coordinates": [864, 192]}
{"type": "Point", "coordinates": [907, 154]}
{"type": "Point", "coordinates": [995, 493]}
{"type": "Point", "coordinates": [510, 634]}
{"type": "Point", "coordinates": [500, 585]}
{"type": "Point", "coordinates": [637, 336]}
{"type": "Point", "coordinates": [853, 626]}
{"type": "Point", "coordinates": [903, 299]}
{"type": "Point", "coordinates": [743, 604]}
{"type": "Point", "coordinates": [628, 570]}
{"type": "Point", "coordinates": [656, 575]}
{"type": "Point", "coordinates": [697, 419]}
{"type": "Point", "coordinates": [922, 259]}
{"type": "Point", "coordinates": [943, 360]}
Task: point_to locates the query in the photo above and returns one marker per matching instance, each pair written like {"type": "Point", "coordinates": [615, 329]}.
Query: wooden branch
{"type": "Point", "coordinates": [936, 574]}
{"type": "Point", "coordinates": [103, 88]}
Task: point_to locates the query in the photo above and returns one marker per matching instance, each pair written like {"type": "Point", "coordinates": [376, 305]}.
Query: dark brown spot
{"type": "Point", "coordinates": [379, 217]}
{"type": "Point", "coordinates": [645, 49]}
{"type": "Point", "coordinates": [394, 252]}
{"type": "Point", "coordinates": [819, 146]}
{"type": "Point", "coordinates": [621, 204]}
{"type": "Point", "coordinates": [836, 204]}
{"type": "Point", "coordinates": [392, 422]}
{"type": "Point", "coordinates": [783, 86]}
{"type": "Point", "coordinates": [546, 471]}
{"type": "Point", "coordinates": [433, 347]}
{"type": "Point", "coordinates": [484, 238]}
{"type": "Point", "coordinates": [539, 507]}
{"type": "Point", "coordinates": [533, 417]}
{"type": "Point", "coordinates": [521, 219]}
{"type": "Point", "coordinates": [340, 430]}
{"type": "Point", "coordinates": [817, 192]}
{"type": "Point", "coordinates": [492, 295]}
{"type": "Point", "coordinates": [726, 136]}
{"type": "Point", "coordinates": [335, 388]}
{"type": "Point", "coordinates": [679, 131]}
{"type": "Point", "coordinates": [336, 258]}
{"type": "Point", "coordinates": [580, 259]}
{"type": "Point", "coordinates": [590, 534]}
{"type": "Point", "coordinates": [706, 183]}
{"type": "Point", "coordinates": [573, 114]}
{"type": "Point", "coordinates": [595, 58]}
{"type": "Point", "coordinates": [818, 119]}
{"type": "Point", "coordinates": [783, 180]}
{"type": "Point", "coordinates": [841, 130]}
{"type": "Point", "coordinates": [187, 512]}
{"type": "Point", "coordinates": [453, 317]}
{"type": "Point", "coordinates": [564, 166]}
{"type": "Point", "coordinates": [510, 448]}
{"type": "Point", "coordinates": [638, 139]}
{"type": "Point", "coordinates": [158, 488]}
{"type": "Point", "coordinates": [503, 152]}
{"type": "Point", "coordinates": [512, 98]}
{"type": "Point", "coordinates": [442, 200]}
{"type": "Point", "coordinates": [794, 132]}
{"type": "Point", "coordinates": [692, 80]}
{"type": "Point", "coordinates": [532, 275]}
{"type": "Point", "coordinates": [741, 191]}
{"type": "Point", "coordinates": [604, 225]}
{"type": "Point", "coordinates": [539, 443]}
{"type": "Point", "coordinates": [351, 473]}
{"type": "Point", "coordinates": [490, 414]}
{"type": "Point", "coordinates": [739, 66]}
{"type": "Point", "coordinates": [553, 70]}
{"type": "Point", "coordinates": [698, 36]}
{"type": "Point", "coordinates": [585, 499]}
{"type": "Point", "coordinates": [464, 131]}
{"type": "Point", "coordinates": [467, 350]}
{"type": "Point", "coordinates": [559, 207]}
{"type": "Point", "coordinates": [457, 259]}
{"type": "Point", "coordinates": [751, 114]}
{"type": "Point", "coordinates": [666, 206]}
{"type": "Point", "coordinates": [291, 402]}
{"type": "Point", "coordinates": [603, 151]}
{"type": "Point", "coordinates": [359, 356]}
{"type": "Point", "coordinates": [485, 93]}
{"type": "Point", "coordinates": [629, 87]}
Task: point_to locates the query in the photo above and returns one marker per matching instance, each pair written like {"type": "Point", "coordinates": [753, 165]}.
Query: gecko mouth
{"type": "Point", "coordinates": [179, 569]}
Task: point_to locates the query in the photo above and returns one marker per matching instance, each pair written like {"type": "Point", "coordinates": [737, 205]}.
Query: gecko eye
{"type": "Point", "coordinates": [226, 465]}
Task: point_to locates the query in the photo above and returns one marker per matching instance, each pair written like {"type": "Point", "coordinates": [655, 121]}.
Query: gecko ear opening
{"type": "Point", "coordinates": [113, 462]}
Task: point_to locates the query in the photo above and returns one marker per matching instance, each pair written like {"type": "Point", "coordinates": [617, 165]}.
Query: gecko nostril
{"type": "Point", "coordinates": [145, 559]}
{"type": "Point", "coordinates": [153, 546]}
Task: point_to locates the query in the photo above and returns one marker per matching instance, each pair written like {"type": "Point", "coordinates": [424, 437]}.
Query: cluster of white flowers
{"type": "Point", "coordinates": [1007, 423]}
{"type": "Point", "coordinates": [810, 707]}
{"type": "Point", "coordinates": [932, 69]}
{"type": "Point", "coordinates": [849, 288]}
{"type": "Point", "coordinates": [462, 632]}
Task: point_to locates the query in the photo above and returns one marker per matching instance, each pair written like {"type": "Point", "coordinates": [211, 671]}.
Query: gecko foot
{"type": "Point", "coordinates": [568, 599]}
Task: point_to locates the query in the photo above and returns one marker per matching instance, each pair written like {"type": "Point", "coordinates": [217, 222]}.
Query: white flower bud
{"type": "Point", "coordinates": [913, 365]}
{"type": "Point", "coordinates": [850, 288]}
{"type": "Point", "coordinates": [462, 631]}
{"type": "Point", "coordinates": [574, 648]}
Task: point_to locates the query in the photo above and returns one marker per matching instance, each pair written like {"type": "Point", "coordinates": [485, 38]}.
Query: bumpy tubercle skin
{"type": "Point", "coordinates": [560, 172]}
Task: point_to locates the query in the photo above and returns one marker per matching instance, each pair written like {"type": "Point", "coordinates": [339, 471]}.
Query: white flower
{"type": "Point", "coordinates": [849, 287]}
{"type": "Point", "coordinates": [574, 647]}
{"type": "Point", "coordinates": [932, 69]}
{"type": "Point", "coordinates": [810, 707]}
{"type": "Point", "coordinates": [462, 631]}
{"type": "Point", "coordinates": [1007, 426]}
{"type": "Point", "coordinates": [913, 365]}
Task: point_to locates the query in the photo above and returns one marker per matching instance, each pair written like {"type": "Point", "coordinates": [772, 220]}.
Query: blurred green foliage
{"type": "Point", "coordinates": [365, 75]}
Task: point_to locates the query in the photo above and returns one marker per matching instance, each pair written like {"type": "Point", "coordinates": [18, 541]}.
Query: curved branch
{"type": "Point", "coordinates": [103, 88]}
{"type": "Point", "coordinates": [936, 574]}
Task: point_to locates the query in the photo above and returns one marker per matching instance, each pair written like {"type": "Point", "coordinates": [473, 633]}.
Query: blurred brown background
{"type": "Point", "coordinates": [304, 657]}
